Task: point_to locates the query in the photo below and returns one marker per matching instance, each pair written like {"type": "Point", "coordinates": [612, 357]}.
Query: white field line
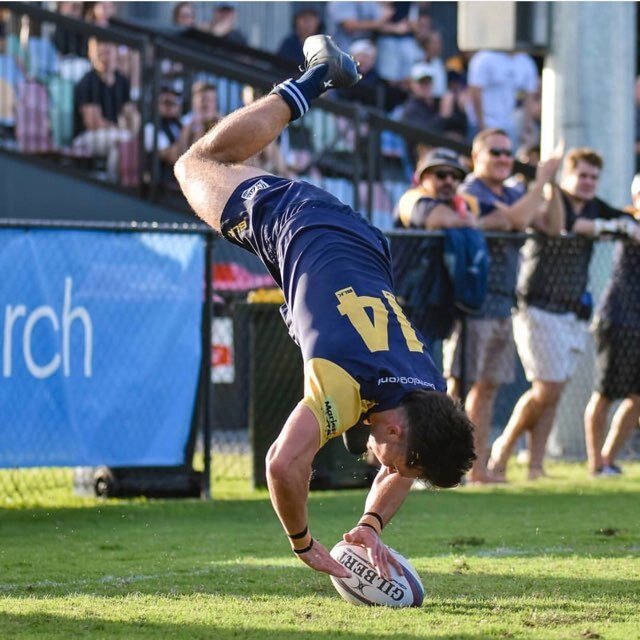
{"type": "Point", "coordinates": [118, 580]}
{"type": "Point", "coordinates": [498, 552]}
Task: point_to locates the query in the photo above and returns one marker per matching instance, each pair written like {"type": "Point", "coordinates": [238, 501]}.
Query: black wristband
{"type": "Point", "coordinates": [377, 516]}
{"type": "Point", "coordinates": [301, 551]}
{"type": "Point", "coordinates": [366, 524]}
{"type": "Point", "coordinates": [297, 536]}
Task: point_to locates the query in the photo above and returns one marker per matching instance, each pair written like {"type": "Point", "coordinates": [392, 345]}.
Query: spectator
{"type": "Point", "coordinates": [128, 60]}
{"type": "Point", "coordinates": [637, 119]}
{"type": "Point", "coordinates": [495, 79]}
{"type": "Point", "coordinates": [204, 112]}
{"type": "Point", "coordinates": [184, 15]}
{"type": "Point", "coordinates": [306, 22]}
{"type": "Point", "coordinates": [433, 203]}
{"type": "Point", "coordinates": [223, 23]}
{"type": "Point", "coordinates": [422, 108]}
{"type": "Point", "coordinates": [350, 21]}
{"type": "Point", "coordinates": [489, 355]}
{"type": "Point", "coordinates": [104, 115]}
{"type": "Point", "coordinates": [168, 142]}
{"type": "Point", "coordinates": [70, 43]}
{"type": "Point", "coordinates": [372, 90]}
{"type": "Point", "coordinates": [423, 27]}
{"type": "Point", "coordinates": [419, 267]}
{"type": "Point", "coordinates": [431, 53]}
{"type": "Point", "coordinates": [398, 48]}
{"type": "Point", "coordinates": [10, 70]}
{"type": "Point", "coordinates": [528, 155]}
{"type": "Point", "coordinates": [11, 77]}
{"type": "Point", "coordinates": [528, 134]}
{"type": "Point", "coordinates": [35, 51]}
{"type": "Point", "coordinates": [617, 339]}
{"type": "Point", "coordinates": [99, 13]}
{"type": "Point", "coordinates": [454, 107]}
{"type": "Point", "coordinates": [553, 305]}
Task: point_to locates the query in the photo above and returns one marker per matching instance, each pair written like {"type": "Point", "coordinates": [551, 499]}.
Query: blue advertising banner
{"type": "Point", "coordinates": [100, 346]}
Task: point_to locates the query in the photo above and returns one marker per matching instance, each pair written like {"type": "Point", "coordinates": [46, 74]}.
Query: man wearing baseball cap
{"type": "Point", "coordinates": [422, 109]}
{"type": "Point", "coordinates": [433, 203]}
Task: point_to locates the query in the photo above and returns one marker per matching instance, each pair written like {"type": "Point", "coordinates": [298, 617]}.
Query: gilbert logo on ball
{"type": "Point", "coordinates": [366, 587]}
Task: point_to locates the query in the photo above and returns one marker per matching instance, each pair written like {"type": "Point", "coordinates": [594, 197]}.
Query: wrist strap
{"type": "Point", "coordinates": [301, 551]}
{"type": "Point", "coordinates": [298, 536]}
{"type": "Point", "coordinates": [366, 524]}
{"type": "Point", "coordinates": [377, 516]}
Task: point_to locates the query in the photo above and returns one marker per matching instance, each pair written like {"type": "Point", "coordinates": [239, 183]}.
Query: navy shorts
{"type": "Point", "coordinates": [617, 360]}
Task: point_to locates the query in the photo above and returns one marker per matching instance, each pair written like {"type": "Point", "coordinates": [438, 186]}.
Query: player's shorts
{"type": "Point", "coordinates": [549, 344]}
{"type": "Point", "coordinates": [489, 351]}
{"type": "Point", "coordinates": [617, 360]}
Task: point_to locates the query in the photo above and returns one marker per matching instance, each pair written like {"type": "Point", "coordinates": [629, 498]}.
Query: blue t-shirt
{"type": "Point", "coordinates": [503, 252]}
{"type": "Point", "coordinates": [360, 352]}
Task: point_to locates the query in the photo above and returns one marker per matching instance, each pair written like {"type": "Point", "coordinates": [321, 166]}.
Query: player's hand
{"type": "Point", "coordinates": [320, 559]}
{"type": "Point", "coordinates": [377, 551]}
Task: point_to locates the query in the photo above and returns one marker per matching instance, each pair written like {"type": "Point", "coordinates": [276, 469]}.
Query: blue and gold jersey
{"type": "Point", "coordinates": [360, 352]}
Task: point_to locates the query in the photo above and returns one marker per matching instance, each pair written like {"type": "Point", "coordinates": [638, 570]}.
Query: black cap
{"type": "Point", "coordinates": [439, 157]}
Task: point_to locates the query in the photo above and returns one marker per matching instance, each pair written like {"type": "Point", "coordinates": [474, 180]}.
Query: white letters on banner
{"type": "Point", "coordinates": [36, 320]}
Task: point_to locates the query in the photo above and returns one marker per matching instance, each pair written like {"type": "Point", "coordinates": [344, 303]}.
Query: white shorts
{"type": "Point", "coordinates": [549, 344]}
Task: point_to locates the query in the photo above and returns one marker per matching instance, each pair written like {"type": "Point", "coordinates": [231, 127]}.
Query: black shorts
{"type": "Point", "coordinates": [617, 360]}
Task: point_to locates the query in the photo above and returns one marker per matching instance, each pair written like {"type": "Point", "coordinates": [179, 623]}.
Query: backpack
{"type": "Point", "coordinates": [466, 259]}
{"type": "Point", "coordinates": [439, 279]}
{"type": "Point", "coordinates": [423, 286]}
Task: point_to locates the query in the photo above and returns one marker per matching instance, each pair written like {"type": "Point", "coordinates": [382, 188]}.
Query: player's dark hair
{"type": "Point", "coordinates": [440, 437]}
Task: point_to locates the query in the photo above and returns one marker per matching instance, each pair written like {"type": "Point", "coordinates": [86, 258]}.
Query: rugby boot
{"type": "Point", "coordinates": [342, 71]}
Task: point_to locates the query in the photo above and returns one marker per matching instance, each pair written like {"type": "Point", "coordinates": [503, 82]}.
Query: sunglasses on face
{"type": "Point", "coordinates": [496, 153]}
{"type": "Point", "coordinates": [443, 175]}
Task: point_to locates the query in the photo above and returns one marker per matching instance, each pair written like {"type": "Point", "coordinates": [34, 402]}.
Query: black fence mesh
{"type": "Point", "coordinates": [256, 370]}
{"type": "Point", "coordinates": [101, 352]}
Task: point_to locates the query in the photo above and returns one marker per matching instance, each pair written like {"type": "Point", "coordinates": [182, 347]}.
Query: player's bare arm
{"type": "Point", "coordinates": [288, 473]}
{"type": "Point", "coordinates": [388, 492]}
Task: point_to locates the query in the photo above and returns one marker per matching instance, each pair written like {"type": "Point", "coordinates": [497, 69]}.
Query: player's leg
{"type": "Point", "coordinates": [212, 168]}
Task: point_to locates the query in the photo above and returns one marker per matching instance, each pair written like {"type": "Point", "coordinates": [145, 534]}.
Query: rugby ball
{"type": "Point", "coordinates": [366, 587]}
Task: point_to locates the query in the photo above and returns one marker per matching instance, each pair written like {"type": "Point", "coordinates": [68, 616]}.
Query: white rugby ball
{"type": "Point", "coordinates": [366, 587]}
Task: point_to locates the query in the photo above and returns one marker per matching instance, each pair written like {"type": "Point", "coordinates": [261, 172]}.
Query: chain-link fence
{"type": "Point", "coordinates": [102, 335]}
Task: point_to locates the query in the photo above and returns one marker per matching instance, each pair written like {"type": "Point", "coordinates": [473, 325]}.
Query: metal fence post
{"type": "Point", "coordinates": [207, 387]}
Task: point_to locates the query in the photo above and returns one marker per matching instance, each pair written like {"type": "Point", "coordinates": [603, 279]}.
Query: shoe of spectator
{"type": "Point", "coordinates": [610, 470]}
{"type": "Point", "coordinates": [343, 70]}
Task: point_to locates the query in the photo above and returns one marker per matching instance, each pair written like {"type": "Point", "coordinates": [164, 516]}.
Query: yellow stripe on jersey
{"type": "Point", "coordinates": [333, 397]}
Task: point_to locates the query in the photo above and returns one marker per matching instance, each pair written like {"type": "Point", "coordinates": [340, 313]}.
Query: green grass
{"type": "Point", "coordinates": [558, 558]}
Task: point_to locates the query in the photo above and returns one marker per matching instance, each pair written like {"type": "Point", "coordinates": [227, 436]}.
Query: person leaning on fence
{"type": "Point", "coordinates": [362, 358]}
{"type": "Point", "coordinates": [550, 325]}
{"type": "Point", "coordinates": [423, 282]}
{"type": "Point", "coordinates": [489, 353]}
{"type": "Point", "coordinates": [617, 338]}
{"type": "Point", "coordinates": [433, 203]}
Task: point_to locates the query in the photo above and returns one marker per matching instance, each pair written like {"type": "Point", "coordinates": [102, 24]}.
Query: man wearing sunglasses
{"type": "Point", "coordinates": [489, 357]}
{"type": "Point", "coordinates": [433, 203]}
